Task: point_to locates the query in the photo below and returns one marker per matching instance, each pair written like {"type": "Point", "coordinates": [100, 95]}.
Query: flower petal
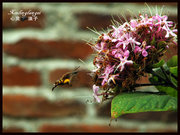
{"type": "Point", "coordinates": [144, 53]}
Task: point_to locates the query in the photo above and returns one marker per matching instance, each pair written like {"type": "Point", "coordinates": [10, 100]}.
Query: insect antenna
{"type": "Point", "coordinates": [75, 71]}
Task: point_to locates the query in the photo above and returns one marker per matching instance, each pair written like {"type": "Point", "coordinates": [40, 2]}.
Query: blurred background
{"type": "Point", "coordinates": [39, 49]}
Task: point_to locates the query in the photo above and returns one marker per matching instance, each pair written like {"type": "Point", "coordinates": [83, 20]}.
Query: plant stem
{"type": "Point", "coordinates": [165, 74]}
{"type": "Point", "coordinates": [154, 73]}
{"type": "Point", "coordinates": [172, 75]}
{"type": "Point", "coordinates": [167, 77]}
{"type": "Point", "coordinates": [168, 83]}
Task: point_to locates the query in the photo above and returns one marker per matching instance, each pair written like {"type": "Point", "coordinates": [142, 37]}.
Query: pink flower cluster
{"type": "Point", "coordinates": [127, 44]}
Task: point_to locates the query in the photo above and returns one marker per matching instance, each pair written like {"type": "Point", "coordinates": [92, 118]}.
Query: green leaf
{"type": "Point", "coordinates": [166, 68]}
{"type": "Point", "coordinates": [172, 62]}
{"type": "Point", "coordinates": [153, 42]}
{"type": "Point", "coordinates": [159, 64]}
{"type": "Point", "coordinates": [141, 102]}
{"type": "Point", "coordinates": [168, 90]}
{"type": "Point", "coordinates": [173, 80]}
{"type": "Point", "coordinates": [159, 72]}
{"type": "Point", "coordinates": [174, 70]}
{"type": "Point", "coordinates": [162, 44]}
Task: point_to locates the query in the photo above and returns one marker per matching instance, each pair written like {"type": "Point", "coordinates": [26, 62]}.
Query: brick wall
{"type": "Point", "coordinates": [37, 53]}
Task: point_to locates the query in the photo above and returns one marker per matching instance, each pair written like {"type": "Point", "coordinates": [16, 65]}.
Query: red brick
{"type": "Point", "coordinates": [12, 130]}
{"type": "Point", "coordinates": [104, 110]}
{"type": "Point", "coordinates": [152, 116]}
{"type": "Point", "coordinates": [15, 75]}
{"type": "Point", "coordinates": [83, 128]}
{"type": "Point", "coordinates": [98, 21]}
{"type": "Point", "coordinates": [39, 23]}
{"type": "Point", "coordinates": [173, 18]}
{"type": "Point", "coordinates": [173, 50]}
{"type": "Point", "coordinates": [54, 128]}
{"type": "Point", "coordinates": [93, 20]}
{"type": "Point", "coordinates": [83, 79]}
{"type": "Point", "coordinates": [161, 130]}
{"type": "Point", "coordinates": [143, 80]}
{"type": "Point", "coordinates": [159, 3]}
{"type": "Point", "coordinates": [35, 49]}
{"type": "Point", "coordinates": [7, 23]}
{"type": "Point", "coordinates": [39, 107]}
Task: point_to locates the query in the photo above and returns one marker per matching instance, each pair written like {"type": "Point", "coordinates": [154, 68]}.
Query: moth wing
{"type": "Point", "coordinates": [68, 77]}
{"type": "Point", "coordinates": [71, 78]}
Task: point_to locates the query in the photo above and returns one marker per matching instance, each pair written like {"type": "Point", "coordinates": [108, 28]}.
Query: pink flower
{"type": "Point", "coordinates": [144, 52]}
{"type": "Point", "coordinates": [116, 32]}
{"type": "Point", "coordinates": [128, 40]}
{"type": "Point", "coordinates": [168, 31]}
{"type": "Point", "coordinates": [123, 60]}
{"type": "Point", "coordinates": [100, 46]}
{"type": "Point", "coordinates": [137, 49]}
{"type": "Point", "coordinates": [117, 50]}
{"type": "Point", "coordinates": [133, 23]}
{"type": "Point", "coordinates": [164, 24]}
{"type": "Point", "coordinates": [95, 94]}
{"type": "Point", "coordinates": [112, 78]}
{"type": "Point", "coordinates": [106, 37]}
{"type": "Point", "coordinates": [106, 73]}
{"type": "Point", "coordinates": [145, 21]}
{"type": "Point", "coordinates": [98, 67]}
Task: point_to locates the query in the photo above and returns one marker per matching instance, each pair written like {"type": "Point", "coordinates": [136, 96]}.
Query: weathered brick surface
{"type": "Point", "coordinates": [7, 23]}
{"type": "Point", "coordinates": [18, 76]}
{"type": "Point", "coordinates": [93, 20]}
{"type": "Point", "coordinates": [173, 50]}
{"type": "Point", "coordinates": [82, 79]}
{"type": "Point", "coordinates": [174, 19]}
{"type": "Point", "coordinates": [98, 21]}
{"type": "Point", "coordinates": [152, 116]}
{"type": "Point", "coordinates": [104, 110]}
{"type": "Point", "coordinates": [39, 107]}
{"type": "Point", "coordinates": [12, 130]}
{"type": "Point", "coordinates": [142, 80]}
{"type": "Point", "coordinates": [35, 49]}
{"type": "Point", "coordinates": [39, 23]}
{"type": "Point", "coordinates": [161, 131]}
{"type": "Point", "coordinates": [159, 3]}
{"type": "Point", "coordinates": [83, 128]}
